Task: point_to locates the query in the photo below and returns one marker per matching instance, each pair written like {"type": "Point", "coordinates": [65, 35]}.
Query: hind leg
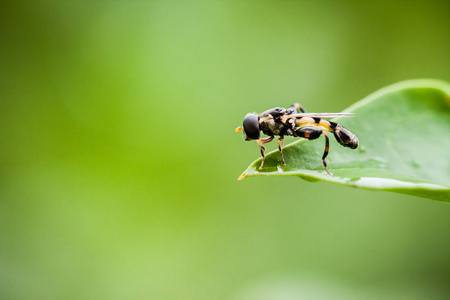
{"type": "Point", "coordinates": [312, 133]}
{"type": "Point", "coordinates": [325, 153]}
{"type": "Point", "coordinates": [298, 107]}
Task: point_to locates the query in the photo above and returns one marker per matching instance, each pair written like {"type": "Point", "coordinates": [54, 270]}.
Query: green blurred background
{"type": "Point", "coordinates": [119, 158]}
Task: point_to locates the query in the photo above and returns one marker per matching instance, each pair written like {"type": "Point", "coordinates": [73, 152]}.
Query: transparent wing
{"type": "Point", "coordinates": [318, 115]}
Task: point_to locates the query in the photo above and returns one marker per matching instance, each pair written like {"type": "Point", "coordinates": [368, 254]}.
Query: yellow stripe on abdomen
{"type": "Point", "coordinates": [310, 122]}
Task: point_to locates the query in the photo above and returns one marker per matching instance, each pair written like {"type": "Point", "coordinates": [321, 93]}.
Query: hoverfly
{"type": "Point", "coordinates": [294, 121]}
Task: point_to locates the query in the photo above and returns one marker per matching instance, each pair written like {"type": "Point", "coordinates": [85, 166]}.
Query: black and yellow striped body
{"type": "Point", "coordinates": [342, 134]}
{"type": "Point", "coordinates": [290, 122]}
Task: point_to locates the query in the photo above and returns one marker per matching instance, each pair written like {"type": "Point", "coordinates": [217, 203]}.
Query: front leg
{"type": "Point", "coordinates": [263, 150]}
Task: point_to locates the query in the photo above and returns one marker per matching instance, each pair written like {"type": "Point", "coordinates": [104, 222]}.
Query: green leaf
{"type": "Point", "coordinates": [404, 144]}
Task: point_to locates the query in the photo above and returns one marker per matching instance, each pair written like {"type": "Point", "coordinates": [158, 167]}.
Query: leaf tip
{"type": "Point", "coordinates": [243, 175]}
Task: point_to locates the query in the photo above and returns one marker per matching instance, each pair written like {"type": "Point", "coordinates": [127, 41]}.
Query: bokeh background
{"type": "Point", "coordinates": [119, 158]}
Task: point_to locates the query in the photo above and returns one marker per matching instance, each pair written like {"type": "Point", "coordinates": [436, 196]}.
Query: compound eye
{"type": "Point", "coordinates": [251, 126]}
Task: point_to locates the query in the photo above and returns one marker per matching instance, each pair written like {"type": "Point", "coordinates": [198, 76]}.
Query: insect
{"type": "Point", "coordinates": [294, 121]}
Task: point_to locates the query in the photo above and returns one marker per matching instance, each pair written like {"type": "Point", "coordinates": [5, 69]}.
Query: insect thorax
{"type": "Point", "coordinates": [272, 123]}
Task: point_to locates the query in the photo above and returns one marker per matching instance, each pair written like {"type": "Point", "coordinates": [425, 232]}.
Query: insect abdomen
{"type": "Point", "coordinates": [344, 136]}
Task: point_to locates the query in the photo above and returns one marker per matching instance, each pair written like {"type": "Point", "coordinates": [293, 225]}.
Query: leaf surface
{"type": "Point", "coordinates": [404, 144]}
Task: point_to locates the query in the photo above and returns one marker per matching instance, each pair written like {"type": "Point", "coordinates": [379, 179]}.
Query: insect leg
{"type": "Point", "coordinates": [280, 140]}
{"type": "Point", "coordinates": [298, 107]}
{"type": "Point", "coordinates": [325, 153]}
{"type": "Point", "coordinates": [312, 133]}
{"type": "Point", "coordinates": [263, 150]}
